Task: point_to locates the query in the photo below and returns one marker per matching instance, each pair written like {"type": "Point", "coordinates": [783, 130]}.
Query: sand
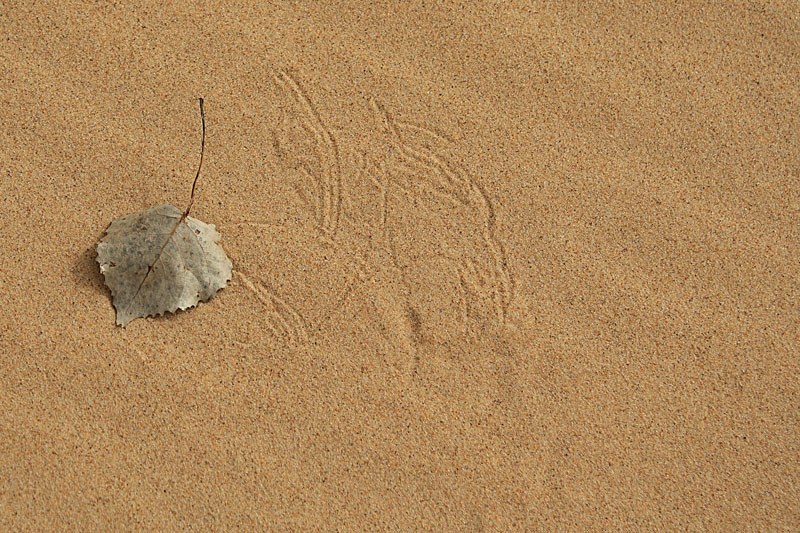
{"type": "Point", "coordinates": [495, 268]}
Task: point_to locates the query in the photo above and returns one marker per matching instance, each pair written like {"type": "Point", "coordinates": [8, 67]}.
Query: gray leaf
{"type": "Point", "coordinates": [156, 261]}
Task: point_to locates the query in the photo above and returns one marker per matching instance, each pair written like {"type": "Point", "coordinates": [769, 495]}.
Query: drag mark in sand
{"type": "Point", "coordinates": [283, 320]}
{"type": "Point", "coordinates": [400, 214]}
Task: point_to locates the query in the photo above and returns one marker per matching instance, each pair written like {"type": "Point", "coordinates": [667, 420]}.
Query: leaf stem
{"type": "Point", "coordinates": [202, 150]}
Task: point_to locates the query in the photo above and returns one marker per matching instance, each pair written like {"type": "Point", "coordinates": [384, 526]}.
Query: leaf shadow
{"type": "Point", "coordinates": [86, 271]}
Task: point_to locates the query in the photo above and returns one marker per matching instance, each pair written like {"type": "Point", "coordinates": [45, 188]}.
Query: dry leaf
{"type": "Point", "coordinates": [161, 259]}
{"type": "Point", "coordinates": [157, 260]}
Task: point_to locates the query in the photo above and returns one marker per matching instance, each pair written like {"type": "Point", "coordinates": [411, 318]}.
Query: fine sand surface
{"type": "Point", "coordinates": [495, 267]}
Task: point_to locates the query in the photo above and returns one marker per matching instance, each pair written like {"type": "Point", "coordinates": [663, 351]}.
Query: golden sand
{"type": "Point", "coordinates": [500, 268]}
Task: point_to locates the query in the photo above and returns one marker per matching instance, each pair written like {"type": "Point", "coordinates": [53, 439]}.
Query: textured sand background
{"type": "Point", "coordinates": [495, 267]}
